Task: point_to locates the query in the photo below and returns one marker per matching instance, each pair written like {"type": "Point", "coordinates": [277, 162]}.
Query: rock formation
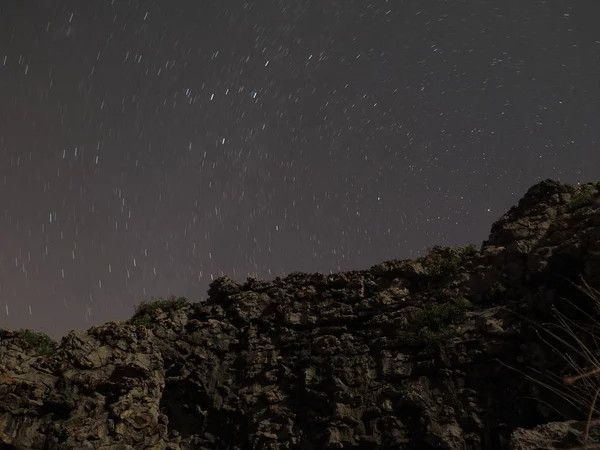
{"type": "Point", "coordinates": [464, 348]}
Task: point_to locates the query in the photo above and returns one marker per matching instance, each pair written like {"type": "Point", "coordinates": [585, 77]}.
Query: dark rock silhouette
{"type": "Point", "coordinates": [433, 353]}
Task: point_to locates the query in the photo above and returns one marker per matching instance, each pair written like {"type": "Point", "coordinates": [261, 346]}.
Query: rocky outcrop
{"type": "Point", "coordinates": [441, 352]}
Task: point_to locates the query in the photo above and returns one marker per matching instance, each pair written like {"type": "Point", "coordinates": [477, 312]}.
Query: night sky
{"type": "Point", "coordinates": [148, 147]}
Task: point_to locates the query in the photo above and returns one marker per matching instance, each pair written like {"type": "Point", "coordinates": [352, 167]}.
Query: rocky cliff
{"type": "Point", "coordinates": [464, 348]}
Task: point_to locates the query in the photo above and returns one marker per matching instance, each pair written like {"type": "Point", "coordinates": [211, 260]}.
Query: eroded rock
{"type": "Point", "coordinates": [421, 354]}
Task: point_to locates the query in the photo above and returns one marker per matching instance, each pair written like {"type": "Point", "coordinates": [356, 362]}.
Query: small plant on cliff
{"type": "Point", "coordinates": [433, 320]}
{"type": "Point", "coordinates": [586, 197]}
{"type": "Point", "coordinates": [497, 290]}
{"type": "Point", "coordinates": [41, 342]}
{"type": "Point", "coordinates": [470, 249]}
{"type": "Point", "coordinates": [442, 260]}
{"type": "Point", "coordinates": [145, 312]}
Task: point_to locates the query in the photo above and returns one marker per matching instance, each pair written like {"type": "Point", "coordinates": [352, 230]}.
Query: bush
{"type": "Point", "coordinates": [497, 290]}
{"type": "Point", "coordinates": [583, 199]}
{"type": "Point", "coordinates": [145, 312]}
{"type": "Point", "coordinates": [41, 342]}
{"type": "Point", "coordinates": [433, 320]}
{"type": "Point", "coordinates": [443, 260]}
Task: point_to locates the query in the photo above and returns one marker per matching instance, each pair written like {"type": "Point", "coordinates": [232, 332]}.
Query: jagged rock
{"type": "Point", "coordinates": [554, 435]}
{"type": "Point", "coordinates": [421, 354]}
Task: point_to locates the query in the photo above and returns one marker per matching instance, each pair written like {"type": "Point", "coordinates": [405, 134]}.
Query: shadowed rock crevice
{"type": "Point", "coordinates": [457, 349]}
{"type": "Point", "coordinates": [186, 406]}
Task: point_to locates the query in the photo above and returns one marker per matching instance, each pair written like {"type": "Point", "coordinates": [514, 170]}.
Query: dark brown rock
{"type": "Point", "coordinates": [435, 353]}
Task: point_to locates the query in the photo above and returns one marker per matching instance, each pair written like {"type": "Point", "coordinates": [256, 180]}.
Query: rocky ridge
{"type": "Point", "coordinates": [433, 353]}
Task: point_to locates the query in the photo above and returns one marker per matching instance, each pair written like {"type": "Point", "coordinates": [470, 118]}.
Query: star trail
{"type": "Point", "coordinates": [148, 147]}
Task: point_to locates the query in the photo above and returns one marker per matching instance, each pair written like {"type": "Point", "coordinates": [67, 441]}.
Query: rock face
{"type": "Point", "coordinates": [433, 353]}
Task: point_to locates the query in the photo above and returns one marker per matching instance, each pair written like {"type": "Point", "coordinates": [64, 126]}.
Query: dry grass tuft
{"type": "Point", "coordinates": [581, 388]}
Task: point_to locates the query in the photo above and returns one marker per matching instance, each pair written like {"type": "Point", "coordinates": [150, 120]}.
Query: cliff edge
{"type": "Point", "coordinates": [464, 348]}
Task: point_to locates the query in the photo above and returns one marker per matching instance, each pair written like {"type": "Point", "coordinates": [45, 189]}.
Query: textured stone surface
{"type": "Point", "coordinates": [433, 353]}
